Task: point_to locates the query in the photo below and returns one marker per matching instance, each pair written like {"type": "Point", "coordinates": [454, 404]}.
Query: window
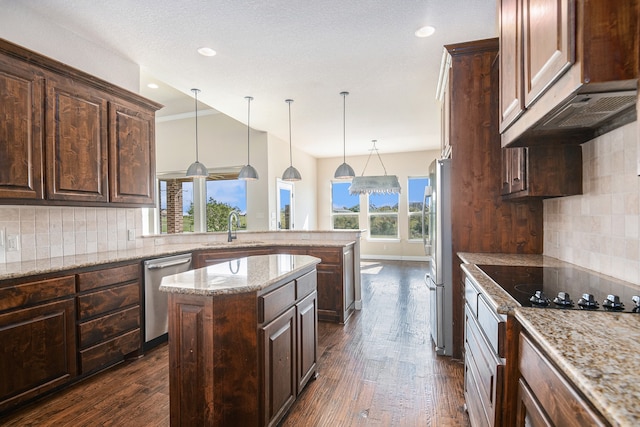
{"type": "Point", "coordinates": [383, 216]}
{"type": "Point", "coordinates": [224, 196]}
{"type": "Point", "coordinates": [415, 196]}
{"type": "Point", "coordinates": [178, 204]}
{"type": "Point", "coordinates": [344, 207]}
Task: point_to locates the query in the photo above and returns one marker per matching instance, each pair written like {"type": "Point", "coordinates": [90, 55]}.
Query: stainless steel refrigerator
{"type": "Point", "coordinates": [436, 215]}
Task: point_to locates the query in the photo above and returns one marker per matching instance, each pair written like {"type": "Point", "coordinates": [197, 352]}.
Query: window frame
{"type": "Point", "coordinates": [333, 214]}
{"type": "Point", "coordinates": [395, 214]}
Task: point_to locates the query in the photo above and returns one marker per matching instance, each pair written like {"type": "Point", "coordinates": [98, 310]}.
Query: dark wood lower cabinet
{"type": "Point", "coordinates": [37, 332]}
{"type": "Point", "coordinates": [242, 359]}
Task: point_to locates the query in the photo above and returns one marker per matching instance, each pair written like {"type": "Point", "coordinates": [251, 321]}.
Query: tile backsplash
{"type": "Point", "coordinates": [599, 229]}
{"type": "Point", "coordinates": [30, 233]}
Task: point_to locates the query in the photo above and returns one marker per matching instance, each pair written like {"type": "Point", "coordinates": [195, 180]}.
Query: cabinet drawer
{"type": "Point", "coordinates": [492, 325]}
{"type": "Point", "coordinates": [102, 328]}
{"type": "Point", "coordinates": [305, 285]}
{"type": "Point", "coordinates": [108, 276]}
{"type": "Point", "coordinates": [106, 300]}
{"type": "Point", "coordinates": [328, 256]}
{"type": "Point", "coordinates": [563, 404]}
{"type": "Point", "coordinates": [275, 302]}
{"type": "Point", "coordinates": [36, 292]}
{"type": "Point", "coordinates": [487, 368]}
{"type": "Point", "coordinates": [109, 352]}
{"type": "Point", "coordinates": [471, 294]}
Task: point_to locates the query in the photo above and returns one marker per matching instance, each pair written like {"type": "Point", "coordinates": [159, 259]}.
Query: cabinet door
{"type": "Point", "coordinates": [37, 352]}
{"type": "Point", "coordinates": [132, 157]}
{"type": "Point", "coordinates": [549, 43]}
{"type": "Point", "coordinates": [529, 412]}
{"type": "Point", "coordinates": [330, 293]}
{"type": "Point", "coordinates": [511, 102]}
{"type": "Point", "coordinates": [21, 95]}
{"type": "Point", "coordinates": [279, 366]}
{"type": "Point", "coordinates": [76, 146]}
{"type": "Point", "coordinates": [307, 318]}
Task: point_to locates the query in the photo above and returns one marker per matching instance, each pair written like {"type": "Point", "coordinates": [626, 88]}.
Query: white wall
{"type": "Point", "coordinates": [403, 165]}
{"type": "Point", "coordinates": [27, 28]}
{"type": "Point", "coordinates": [599, 229]}
{"type": "Point", "coordinates": [304, 190]}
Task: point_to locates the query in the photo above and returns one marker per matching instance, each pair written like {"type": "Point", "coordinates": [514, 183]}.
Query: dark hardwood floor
{"type": "Point", "coordinates": [377, 370]}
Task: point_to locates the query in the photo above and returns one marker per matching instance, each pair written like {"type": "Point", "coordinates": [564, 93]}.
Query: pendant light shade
{"type": "Point", "coordinates": [344, 171]}
{"type": "Point", "coordinates": [291, 173]}
{"type": "Point", "coordinates": [248, 172]}
{"type": "Point", "coordinates": [384, 184]}
{"type": "Point", "coordinates": [197, 169]}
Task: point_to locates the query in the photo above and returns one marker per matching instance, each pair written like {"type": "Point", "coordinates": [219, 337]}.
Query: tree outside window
{"type": "Point", "coordinates": [224, 196]}
{"type": "Point", "coordinates": [415, 195]}
{"type": "Point", "coordinates": [383, 216]}
{"type": "Point", "coordinates": [345, 207]}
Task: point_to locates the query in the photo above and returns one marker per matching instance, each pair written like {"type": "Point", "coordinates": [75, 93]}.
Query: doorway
{"type": "Point", "coordinates": [285, 205]}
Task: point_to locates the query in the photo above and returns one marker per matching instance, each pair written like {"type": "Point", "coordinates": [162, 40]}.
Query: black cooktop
{"type": "Point", "coordinates": [564, 288]}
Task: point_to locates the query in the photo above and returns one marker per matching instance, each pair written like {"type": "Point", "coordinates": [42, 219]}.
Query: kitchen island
{"type": "Point", "coordinates": [242, 339]}
{"type": "Point", "coordinates": [589, 358]}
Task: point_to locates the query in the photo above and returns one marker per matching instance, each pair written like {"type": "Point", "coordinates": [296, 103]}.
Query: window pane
{"type": "Point", "coordinates": [416, 193]}
{"type": "Point", "coordinates": [224, 196]}
{"type": "Point", "coordinates": [187, 206]}
{"type": "Point", "coordinates": [163, 207]}
{"type": "Point", "coordinates": [341, 200]}
{"type": "Point", "coordinates": [383, 226]}
{"type": "Point", "coordinates": [415, 226]}
{"type": "Point", "coordinates": [345, 222]}
{"type": "Point", "coordinates": [383, 202]}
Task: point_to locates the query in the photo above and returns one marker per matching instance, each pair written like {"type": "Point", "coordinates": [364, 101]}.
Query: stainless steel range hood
{"type": "Point", "coordinates": [589, 110]}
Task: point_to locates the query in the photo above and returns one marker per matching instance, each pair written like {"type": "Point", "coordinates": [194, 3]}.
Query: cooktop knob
{"type": "Point", "coordinates": [539, 299]}
{"type": "Point", "coordinates": [563, 300]}
{"type": "Point", "coordinates": [636, 301]}
{"type": "Point", "coordinates": [588, 302]}
{"type": "Point", "coordinates": [613, 303]}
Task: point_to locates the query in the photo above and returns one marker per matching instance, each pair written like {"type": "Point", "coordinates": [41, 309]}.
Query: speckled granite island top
{"type": "Point", "coordinates": [599, 351]}
{"type": "Point", "coordinates": [248, 274]}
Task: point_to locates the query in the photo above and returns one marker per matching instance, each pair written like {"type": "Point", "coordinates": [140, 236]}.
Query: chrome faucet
{"type": "Point", "coordinates": [232, 235]}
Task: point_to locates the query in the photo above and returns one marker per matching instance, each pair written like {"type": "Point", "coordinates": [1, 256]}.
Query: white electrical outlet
{"type": "Point", "coordinates": [131, 234]}
{"type": "Point", "coordinates": [2, 237]}
{"type": "Point", "coordinates": [12, 243]}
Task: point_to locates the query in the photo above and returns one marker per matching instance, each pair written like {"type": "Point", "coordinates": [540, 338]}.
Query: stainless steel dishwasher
{"type": "Point", "coordinates": [156, 319]}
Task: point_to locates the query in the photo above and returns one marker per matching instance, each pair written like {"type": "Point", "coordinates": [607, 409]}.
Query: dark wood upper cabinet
{"type": "Point", "coordinates": [560, 52]}
{"type": "Point", "coordinates": [76, 145]}
{"type": "Point", "coordinates": [132, 160]}
{"type": "Point", "coordinates": [96, 140]}
{"type": "Point", "coordinates": [21, 90]}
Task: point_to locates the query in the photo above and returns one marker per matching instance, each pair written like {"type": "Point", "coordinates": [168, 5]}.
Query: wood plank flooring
{"type": "Point", "coordinates": [377, 370]}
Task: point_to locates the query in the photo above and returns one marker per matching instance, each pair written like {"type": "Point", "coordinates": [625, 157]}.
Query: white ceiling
{"type": "Point", "coordinates": [306, 50]}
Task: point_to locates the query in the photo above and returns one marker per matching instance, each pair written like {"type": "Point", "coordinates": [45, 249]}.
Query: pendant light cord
{"type": "Point", "coordinates": [249, 98]}
{"type": "Point", "coordinates": [344, 126]}
{"type": "Point", "coordinates": [379, 158]}
{"type": "Point", "coordinates": [289, 101]}
{"type": "Point", "coordinates": [195, 92]}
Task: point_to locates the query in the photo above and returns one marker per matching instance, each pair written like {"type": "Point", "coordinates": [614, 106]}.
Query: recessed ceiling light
{"type": "Point", "coordinates": [153, 86]}
{"type": "Point", "coordinates": [425, 31]}
{"type": "Point", "coordinates": [206, 51]}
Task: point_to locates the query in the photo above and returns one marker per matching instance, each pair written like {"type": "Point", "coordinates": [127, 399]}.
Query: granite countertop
{"type": "Point", "coordinates": [248, 274]}
{"type": "Point", "coordinates": [599, 352]}
{"type": "Point", "coordinates": [52, 265]}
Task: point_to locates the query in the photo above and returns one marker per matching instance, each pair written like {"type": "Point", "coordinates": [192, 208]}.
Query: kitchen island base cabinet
{"type": "Point", "coordinates": [241, 358]}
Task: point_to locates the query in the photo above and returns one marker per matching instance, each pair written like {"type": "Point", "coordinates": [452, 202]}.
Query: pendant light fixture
{"type": "Point", "coordinates": [385, 184]}
{"type": "Point", "coordinates": [248, 172]}
{"type": "Point", "coordinates": [197, 169]}
{"type": "Point", "coordinates": [344, 171]}
{"type": "Point", "coordinates": [291, 173]}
